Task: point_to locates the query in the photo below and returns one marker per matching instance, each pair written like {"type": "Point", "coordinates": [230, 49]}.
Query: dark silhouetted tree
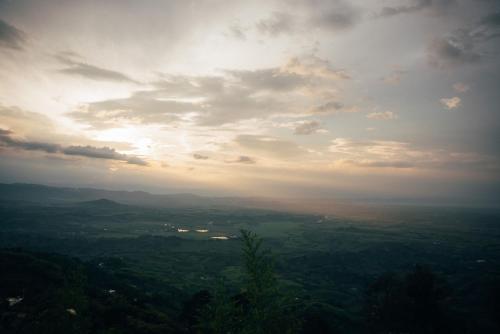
{"type": "Point", "coordinates": [415, 303]}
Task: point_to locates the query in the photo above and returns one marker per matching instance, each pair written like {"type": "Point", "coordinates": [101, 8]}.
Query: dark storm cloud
{"type": "Point", "coordinates": [7, 140]}
{"type": "Point", "coordinates": [10, 36]}
{"type": "Point", "coordinates": [82, 69]}
{"type": "Point", "coordinates": [434, 6]}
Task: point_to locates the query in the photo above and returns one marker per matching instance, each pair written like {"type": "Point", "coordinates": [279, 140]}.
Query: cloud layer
{"type": "Point", "coordinates": [81, 69]}
{"type": "Point", "coordinates": [7, 139]}
{"type": "Point", "coordinates": [10, 36]}
{"type": "Point", "coordinates": [232, 94]}
{"type": "Point", "coordinates": [216, 100]}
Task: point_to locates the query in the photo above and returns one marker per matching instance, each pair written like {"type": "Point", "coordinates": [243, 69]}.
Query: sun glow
{"type": "Point", "coordinates": [134, 139]}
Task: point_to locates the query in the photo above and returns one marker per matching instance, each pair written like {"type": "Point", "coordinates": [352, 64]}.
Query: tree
{"type": "Point", "coordinates": [414, 303]}
{"type": "Point", "coordinates": [261, 307]}
{"type": "Point", "coordinates": [270, 310]}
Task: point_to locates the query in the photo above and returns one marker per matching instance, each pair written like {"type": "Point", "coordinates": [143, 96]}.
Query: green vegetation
{"type": "Point", "coordinates": [45, 293]}
{"type": "Point", "coordinates": [57, 294]}
{"type": "Point", "coordinates": [260, 307]}
{"type": "Point", "coordinates": [325, 274]}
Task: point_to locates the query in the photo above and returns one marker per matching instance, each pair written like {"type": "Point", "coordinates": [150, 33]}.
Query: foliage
{"type": "Point", "coordinates": [261, 307]}
{"type": "Point", "coordinates": [162, 278]}
{"type": "Point", "coordinates": [58, 294]}
{"type": "Point", "coordinates": [415, 303]}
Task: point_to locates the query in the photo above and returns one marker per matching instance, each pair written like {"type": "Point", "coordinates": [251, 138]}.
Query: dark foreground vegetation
{"type": "Point", "coordinates": [100, 266]}
{"type": "Point", "coordinates": [47, 293]}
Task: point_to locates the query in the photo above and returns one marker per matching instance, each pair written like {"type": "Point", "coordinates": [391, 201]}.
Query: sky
{"type": "Point", "coordinates": [298, 98]}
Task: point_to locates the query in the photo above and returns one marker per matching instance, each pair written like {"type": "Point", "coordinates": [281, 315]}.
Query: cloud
{"type": "Point", "coordinates": [95, 73]}
{"type": "Point", "coordinates": [136, 109]}
{"type": "Point", "coordinates": [394, 78]}
{"type": "Point", "coordinates": [306, 15]}
{"type": "Point", "coordinates": [349, 146]}
{"type": "Point", "coordinates": [38, 126]}
{"type": "Point", "coordinates": [457, 49]}
{"type": "Point", "coordinates": [328, 107]}
{"type": "Point", "coordinates": [236, 31]}
{"type": "Point", "coordinates": [463, 46]}
{"type": "Point", "coordinates": [102, 153]}
{"type": "Point", "coordinates": [174, 100]}
{"type": "Point", "coordinates": [315, 67]}
{"type": "Point", "coordinates": [278, 23]}
{"type": "Point", "coordinates": [487, 28]}
{"type": "Point", "coordinates": [375, 153]}
{"type": "Point", "coordinates": [378, 164]}
{"type": "Point", "coordinates": [432, 6]}
{"type": "Point", "coordinates": [234, 96]}
{"type": "Point", "coordinates": [461, 87]}
{"type": "Point", "coordinates": [243, 159]}
{"type": "Point", "coordinates": [396, 154]}
{"type": "Point", "coordinates": [198, 156]}
{"type": "Point", "coordinates": [331, 15]}
{"type": "Point", "coordinates": [451, 103]}
{"type": "Point", "coordinates": [11, 37]}
{"type": "Point", "coordinates": [271, 79]}
{"type": "Point", "coordinates": [8, 140]}
{"type": "Point", "coordinates": [492, 20]}
{"type": "Point", "coordinates": [332, 107]}
{"type": "Point", "coordinates": [297, 73]}
{"type": "Point", "coordinates": [382, 115]}
{"type": "Point", "coordinates": [307, 128]}
{"type": "Point", "coordinates": [268, 145]}
{"type": "Point", "coordinates": [18, 120]}
{"type": "Point", "coordinates": [78, 68]}
{"type": "Point", "coordinates": [234, 105]}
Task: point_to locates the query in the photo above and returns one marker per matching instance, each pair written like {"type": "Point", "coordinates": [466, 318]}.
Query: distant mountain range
{"type": "Point", "coordinates": [46, 194]}
{"type": "Point", "coordinates": [35, 193]}
{"type": "Point", "coordinates": [101, 203]}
